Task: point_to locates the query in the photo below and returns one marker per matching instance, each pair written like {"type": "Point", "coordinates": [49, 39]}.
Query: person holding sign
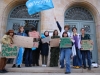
{"type": "Point", "coordinates": [35, 51]}
{"type": "Point", "coordinates": [77, 60]}
{"type": "Point", "coordinates": [18, 60]}
{"type": "Point", "coordinates": [86, 53]}
{"type": "Point", "coordinates": [54, 56]}
{"type": "Point", "coordinates": [45, 48]}
{"type": "Point", "coordinates": [7, 39]}
{"type": "Point", "coordinates": [66, 51]}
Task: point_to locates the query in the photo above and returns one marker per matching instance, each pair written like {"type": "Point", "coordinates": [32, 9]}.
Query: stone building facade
{"type": "Point", "coordinates": [79, 13]}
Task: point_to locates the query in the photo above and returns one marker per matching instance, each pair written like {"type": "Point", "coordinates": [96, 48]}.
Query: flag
{"type": "Point", "coordinates": [58, 25]}
{"type": "Point", "coordinates": [35, 6]}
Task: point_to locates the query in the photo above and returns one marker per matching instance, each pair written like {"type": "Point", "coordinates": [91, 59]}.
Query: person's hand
{"type": "Point", "coordinates": [10, 45]}
{"type": "Point", "coordinates": [81, 42]}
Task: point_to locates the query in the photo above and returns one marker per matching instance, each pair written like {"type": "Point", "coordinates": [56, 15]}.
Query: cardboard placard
{"type": "Point", "coordinates": [65, 42]}
{"type": "Point", "coordinates": [46, 40]}
{"type": "Point", "coordinates": [27, 42]}
{"type": "Point", "coordinates": [55, 42]}
{"type": "Point", "coordinates": [86, 45]}
{"type": "Point", "coordinates": [9, 51]}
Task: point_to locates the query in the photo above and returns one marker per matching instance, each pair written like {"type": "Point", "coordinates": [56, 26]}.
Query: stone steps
{"type": "Point", "coordinates": [49, 70]}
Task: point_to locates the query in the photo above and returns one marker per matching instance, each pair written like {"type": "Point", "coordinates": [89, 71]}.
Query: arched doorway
{"type": "Point", "coordinates": [20, 17]}
{"type": "Point", "coordinates": [80, 17]}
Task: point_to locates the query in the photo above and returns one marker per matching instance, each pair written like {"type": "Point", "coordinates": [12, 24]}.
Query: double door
{"type": "Point", "coordinates": [90, 29]}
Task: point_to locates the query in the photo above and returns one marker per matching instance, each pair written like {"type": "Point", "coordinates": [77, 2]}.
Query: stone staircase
{"type": "Point", "coordinates": [48, 70]}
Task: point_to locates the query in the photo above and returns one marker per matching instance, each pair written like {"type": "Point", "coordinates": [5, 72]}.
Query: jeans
{"type": "Point", "coordinates": [86, 54]}
{"type": "Point", "coordinates": [28, 57]}
{"type": "Point", "coordinates": [65, 53]}
{"type": "Point", "coordinates": [77, 60]}
{"type": "Point", "coordinates": [18, 60]}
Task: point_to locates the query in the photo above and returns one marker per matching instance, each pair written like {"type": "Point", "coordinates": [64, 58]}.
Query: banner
{"type": "Point", "coordinates": [86, 45]}
{"type": "Point", "coordinates": [8, 51]}
{"type": "Point", "coordinates": [35, 6]}
{"type": "Point", "coordinates": [65, 42]}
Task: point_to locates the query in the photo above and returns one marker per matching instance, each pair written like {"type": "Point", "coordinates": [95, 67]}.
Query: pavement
{"type": "Point", "coordinates": [11, 73]}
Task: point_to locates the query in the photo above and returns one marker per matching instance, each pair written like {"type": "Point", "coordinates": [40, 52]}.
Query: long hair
{"type": "Point", "coordinates": [54, 32]}
{"type": "Point", "coordinates": [64, 33]}
{"type": "Point", "coordinates": [10, 31]}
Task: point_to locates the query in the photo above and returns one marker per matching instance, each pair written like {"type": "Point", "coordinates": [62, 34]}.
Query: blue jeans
{"type": "Point", "coordinates": [28, 57]}
{"type": "Point", "coordinates": [65, 53]}
{"type": "Point", "coordinates": [77, 60]}
{"type": "Point", "coordinates": [86, 54]}
{"type": "Point", "coordinates": [20, 56]}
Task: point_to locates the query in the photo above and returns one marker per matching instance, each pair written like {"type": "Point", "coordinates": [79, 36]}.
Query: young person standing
{"type": "Point", "coordinates": [86, 53]}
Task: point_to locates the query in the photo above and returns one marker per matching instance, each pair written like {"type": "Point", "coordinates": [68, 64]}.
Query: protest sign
{"type": "Point", "coordinates": [65, 42]}
{"type": "Point", "coordinates": [27, 42]}
{"type": "Point", "coordinates": [86, 45]}
{"type": "Point", "coordinates": [9, 51]}
{"type": "Point", "coordinates": [46, 40]}
{"type": "Point", "coordinates": [55, 42]}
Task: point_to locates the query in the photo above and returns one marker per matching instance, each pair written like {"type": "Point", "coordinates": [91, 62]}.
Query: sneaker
{"type": "Point", "coordinates": [1, 71]}
{"type": "Point", "coordinates": [67, 72]}
{"type": "Point", "coordinates": [89, 68]}
{"type": "Point", "coordinates": [77, 67]}
{"type": "Point", "coordinates": [43, 65]}
{"type": "Point", "coordinates": [19, 66]}
{"type": "Point", "coordinates": [13, 66]}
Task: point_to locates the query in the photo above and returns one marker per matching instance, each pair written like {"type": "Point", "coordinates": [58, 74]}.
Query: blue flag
{"type": "Point", "coordinates": [35, 6]}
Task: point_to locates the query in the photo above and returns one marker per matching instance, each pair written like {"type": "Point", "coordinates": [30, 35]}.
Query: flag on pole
{"type": "Point", "coordinates": [35, 6]}
{"type": "Point", "coordinates": [58, 25]}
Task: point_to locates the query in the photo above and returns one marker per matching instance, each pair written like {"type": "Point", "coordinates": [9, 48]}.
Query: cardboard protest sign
{"type": "Point", "coordinates": [9, 51]}
{"type": "Point", "coordinates": [86, 45]}
{"type": "Point", "coordinates": [27, 42]}
{"type": "Point", "coordinates": [55, 42]}
{"type": "Point", "coordinates": [65, 42]}
{"type": "Point", "coordinates": [35, 6]}
{"type": "Point", "coordinates": [46, 40]}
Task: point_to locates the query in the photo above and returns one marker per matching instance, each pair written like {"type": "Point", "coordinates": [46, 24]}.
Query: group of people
{"type": "Point", "coordinates": [56, 53]}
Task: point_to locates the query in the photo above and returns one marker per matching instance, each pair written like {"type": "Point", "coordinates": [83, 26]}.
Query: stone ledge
{"type": "Point", "coordinates": [49, 70]}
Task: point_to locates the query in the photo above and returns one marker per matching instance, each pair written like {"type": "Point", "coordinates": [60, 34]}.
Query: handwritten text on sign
{"type": "Point", "coordinates": [86, 45]}
{"type": "Point", "coordinates": [65, 42]}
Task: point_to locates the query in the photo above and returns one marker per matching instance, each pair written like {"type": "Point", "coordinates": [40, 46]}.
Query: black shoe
{"type": "Point", "coordinates": [1, 71]}
{"type": "Point", "coordinates": [67, 72]}
{"type": "Point", "coordinates": [19, 66]}
{"type": "Point", "coordinates": [13, 66]}
{"type": "Point", "coordinates": [84, 67]}
{"type": "Point", "coordinates": [33, 64]}
{"type": "Point", "coordinates": [26, 65]}
{"type": "Point", "coordinates": [4, 70]}
{"type": "Point", "coordinates": [30, 66]}
{"type": "Point", "coordinates": [89, 68]}
{"type": "Point", "coordinates": [37, 64]}
{"type": "Point", "coordinates": [61, 67]}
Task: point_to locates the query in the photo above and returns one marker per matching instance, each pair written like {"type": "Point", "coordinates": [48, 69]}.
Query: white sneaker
{"type": "Point", "coordinates": [43, 65]}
